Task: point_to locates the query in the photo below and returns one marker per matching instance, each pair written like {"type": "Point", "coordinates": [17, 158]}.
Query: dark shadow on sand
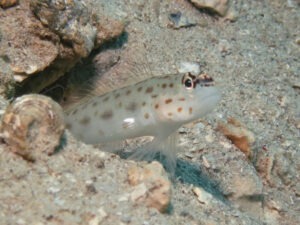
{"type": "Point", "coordinates": [83, 74]}
{"type": "Point", "coordinates": [188, 173]}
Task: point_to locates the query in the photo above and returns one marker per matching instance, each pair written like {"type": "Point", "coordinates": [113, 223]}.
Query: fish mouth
{"type": "Point", "coordinates": [205, 80]}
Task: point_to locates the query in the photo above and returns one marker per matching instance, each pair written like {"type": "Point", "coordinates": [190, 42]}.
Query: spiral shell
{"type": "Point", "coordinates": [32, 125]}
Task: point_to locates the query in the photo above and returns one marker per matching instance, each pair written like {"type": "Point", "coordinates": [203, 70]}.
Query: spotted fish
{"type": "Point", "coordinates": [154, 107]}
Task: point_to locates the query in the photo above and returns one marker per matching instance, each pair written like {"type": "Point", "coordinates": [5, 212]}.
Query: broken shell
{"type": "Point", "coordinates": [32, 125]}
{"type": "Point", "coordinates": [240, 136]}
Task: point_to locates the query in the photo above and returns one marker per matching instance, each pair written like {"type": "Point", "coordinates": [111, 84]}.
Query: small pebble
{"type": "Point", "coordinates": [150, 185]}
{"type": "Point", "coordinates": [220, 7]}
{"type": "Point", "coordinates": [53, 190]}
{"type": "Point", "coordinates": [192, 67]}
{"type": "Point", "coordinates": [205, 162]}
{"type": "Point", "coordinates": [202, 196]}
{"type": "Point", "coordinates": [178, 20]}
{"type": "Point", "coordinates": [97, 219]}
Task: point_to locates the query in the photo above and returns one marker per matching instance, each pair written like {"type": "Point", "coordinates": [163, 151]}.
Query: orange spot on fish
{"type": "Point", "coordinates": [168, 101]}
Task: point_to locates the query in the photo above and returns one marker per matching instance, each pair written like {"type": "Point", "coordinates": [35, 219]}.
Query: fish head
{"type": "Point", "coordinates": [193, 97]}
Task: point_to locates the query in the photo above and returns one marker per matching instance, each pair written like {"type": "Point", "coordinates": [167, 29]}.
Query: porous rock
{"type": "Point", "coordinates": [8, 3]}
{"type": "Point", "coordinates": [278, 167]}
{"type": "Point", "coordinates": [71, 20]}
{"type": "Point", "coordinates": [47, 38]}
{"type": "Point", "coordinates": [237, 179]}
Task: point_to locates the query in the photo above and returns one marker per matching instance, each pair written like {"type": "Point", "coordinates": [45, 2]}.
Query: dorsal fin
{"type": "Point", "coordinates": [119, 73]}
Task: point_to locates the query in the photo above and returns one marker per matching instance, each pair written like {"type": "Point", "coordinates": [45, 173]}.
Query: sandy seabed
{"type": "Point", "coordinates": [255, 62]}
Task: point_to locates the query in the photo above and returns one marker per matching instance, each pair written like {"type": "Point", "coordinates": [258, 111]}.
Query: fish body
{"type": "Point", "coordinates": [154, 107]}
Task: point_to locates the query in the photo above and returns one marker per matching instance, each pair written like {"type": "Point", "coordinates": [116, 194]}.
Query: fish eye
{"type": "Point", "coordinates": [187, 81]}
